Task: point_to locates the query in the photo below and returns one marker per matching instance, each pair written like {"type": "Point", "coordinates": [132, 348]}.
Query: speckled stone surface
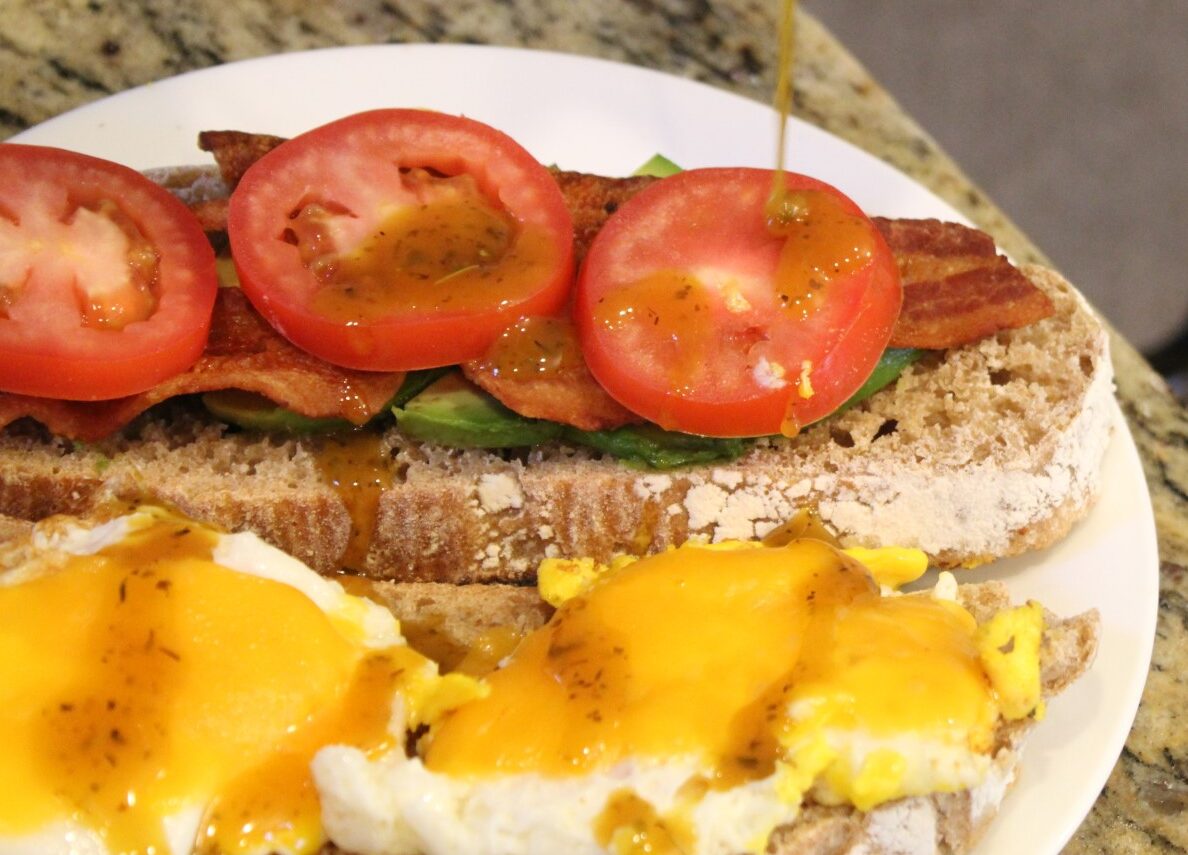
{"type": "Point", "coordinates": [58, 55]}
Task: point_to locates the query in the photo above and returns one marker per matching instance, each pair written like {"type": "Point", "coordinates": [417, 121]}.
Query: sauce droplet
{"type": "Point", "coordinates": [629, 825]}
{"type": "Point", "coordinates": [778, 204]}
{"type": "Point", "coordinates": [356, 466]}
{"type": "Point", "coordinates": [535, 347]}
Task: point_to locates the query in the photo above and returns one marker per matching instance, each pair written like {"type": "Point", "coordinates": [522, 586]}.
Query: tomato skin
{"type": "Point", "coordinates": [349, 162]}
{"type": "Point", "coordinates": [749, 369]}
{"type": "Point", "coordinates": [45, 350]}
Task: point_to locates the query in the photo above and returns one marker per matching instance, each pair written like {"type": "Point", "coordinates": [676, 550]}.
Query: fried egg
{"type": "Point", "coordinates": [693, 701]}
{"type": "Point", "coordinates": [164, 686]}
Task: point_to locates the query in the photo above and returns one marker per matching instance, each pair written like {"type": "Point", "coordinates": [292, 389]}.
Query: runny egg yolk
{"type": "Point", "coordinates": [702, 653]}
{"type": "Point", "coordinates": [146, 680]}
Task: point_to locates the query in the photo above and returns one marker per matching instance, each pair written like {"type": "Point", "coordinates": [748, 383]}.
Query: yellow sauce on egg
{"type": "Point", "coordinates": [698, 653]}
{"type": "Point", "coordinates": [146, 680]}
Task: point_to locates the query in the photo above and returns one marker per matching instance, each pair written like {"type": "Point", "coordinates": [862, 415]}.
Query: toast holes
{"type": "Point", "coordinates": [1001, 377]}
{"type": "Point", "coordinates": [1087, 366]}
{"type": "Point", "coordinates": [841, 437]}
{"type": "Point", "coordinates": [887, 428]}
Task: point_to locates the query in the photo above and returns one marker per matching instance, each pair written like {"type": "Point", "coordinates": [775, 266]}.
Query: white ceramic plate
{"type": "Point", "coordinates": [603, 117]}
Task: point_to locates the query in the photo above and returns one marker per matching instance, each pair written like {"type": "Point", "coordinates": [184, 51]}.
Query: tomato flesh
{"type": "Point", "coordinates": [397, 240]}
{"type": "Point", "coordinates": [699, 311]}
{"type": "Point", "coordinates": [107, 282]}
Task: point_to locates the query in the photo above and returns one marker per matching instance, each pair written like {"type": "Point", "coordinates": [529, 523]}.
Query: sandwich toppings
{"type": "Point", "coordinates": [242, 353]}
{"type": "Point", "coordinates": [106, 280]}
{"type": "Point", "coordinates": [702, 314]}
{"type": "Point", "coordinates": [432, 240]}
{"type": "Point", "coordinates": [957, 288]}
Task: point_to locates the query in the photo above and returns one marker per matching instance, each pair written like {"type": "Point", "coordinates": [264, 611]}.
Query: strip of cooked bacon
{"type": "Point", "coordinates": [235, 151]}
{"type": "Point", "coordinates": [957, 289]}
{"type": "Point", "coordinates": [570, 394]}
{"type": "Point", "coordinates": [591, 199]}
{"type": "Point", "coordinates": [212, 214]}
{"type": "Point", "coordinates": [243, 352]}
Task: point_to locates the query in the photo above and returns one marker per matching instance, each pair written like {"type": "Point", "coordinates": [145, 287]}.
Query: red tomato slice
{"type": "Point", "coordinates": [400, 239]}
{"type": "Point", "coordinates": [696, 314]}
{"type": "Point", "coordinates": [107, 282]}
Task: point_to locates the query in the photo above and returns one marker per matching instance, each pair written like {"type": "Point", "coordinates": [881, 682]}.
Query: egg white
{"type": "Point", "coordinates": [395, 806]}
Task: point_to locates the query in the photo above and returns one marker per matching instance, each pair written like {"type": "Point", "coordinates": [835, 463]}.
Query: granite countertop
{"type": "Point", "coordinates": [56, 56]}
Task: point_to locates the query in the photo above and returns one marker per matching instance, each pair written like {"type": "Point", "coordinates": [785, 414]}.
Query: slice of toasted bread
{"type": "Point", "coordinates": [977, 452]}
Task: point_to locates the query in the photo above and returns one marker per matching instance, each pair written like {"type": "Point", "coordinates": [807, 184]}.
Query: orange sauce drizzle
{"type": "Point", "coordinates": [580, 693]}
{"type": "Point", "coordinates": [356, 466]}
{"type": "Point", "coordinates": [488, 650]}
{"type": "Point", "coordinates": [612, 677]}
{"type": "Point", "coordinates": [783, 100]}
{"type": "Point", "coordinates": [93, 741]}
{"type": "Point", "coordinates": [806, 522]}
{"type": "Point", "coordinates": [280, 793]}
{"type": "Point", "coordinates": [675, 307]}
{"type": "Point", "coordinates": [535, 347]}
{"type": "Point", "coordinates": [146, 716]}
{"type": "Point", "coordinates": [629, 825]}
{"type": "Point", "coordinates": [454, 251]}
{"type": "Point", "coordinates": [822, 241]}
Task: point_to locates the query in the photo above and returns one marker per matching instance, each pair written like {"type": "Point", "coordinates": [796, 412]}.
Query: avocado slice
{"type": "Point", "coordinates": [255, 412]}
{"type": "Point", "coordinates": [454, 412]}
{"type": "Point", "coordinates": [658, 166]}
{"type": "Point", "coordinates": [650, 446]}
{"type": "Point", "coordinates": [890, 366]}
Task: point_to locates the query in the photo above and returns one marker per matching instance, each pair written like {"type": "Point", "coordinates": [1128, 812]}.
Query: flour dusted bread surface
{"type": "Point", "coordinates": [993, 450]}
{"type": "Point", "coordinates": [976, 453]}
